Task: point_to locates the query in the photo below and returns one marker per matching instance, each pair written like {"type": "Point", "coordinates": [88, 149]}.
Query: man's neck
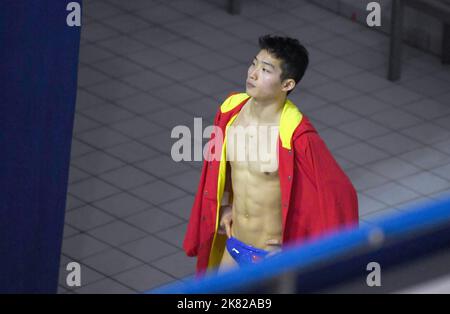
{"type": "Point", "coordinates": [266, 111]}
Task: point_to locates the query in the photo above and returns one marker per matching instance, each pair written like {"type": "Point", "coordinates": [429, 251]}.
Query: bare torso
{"type": "Point", "coordinates": [256, 204]}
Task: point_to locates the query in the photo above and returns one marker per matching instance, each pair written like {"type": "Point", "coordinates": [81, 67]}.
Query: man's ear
{"type": "Point", "coordinates": [287, 85]}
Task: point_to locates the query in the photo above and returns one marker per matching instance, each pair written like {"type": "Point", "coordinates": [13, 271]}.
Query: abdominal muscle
{"type": "Point", "coordinates": [256, 207]}
{"type": "Point", "coordinates": [256, 210]}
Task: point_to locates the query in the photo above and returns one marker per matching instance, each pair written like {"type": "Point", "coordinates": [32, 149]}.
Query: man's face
{"type": "Point", "coordinates": [263, 77]}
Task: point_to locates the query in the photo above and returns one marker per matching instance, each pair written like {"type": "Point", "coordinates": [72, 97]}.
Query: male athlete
{"type": "Point", "coordinates": [251, 201]}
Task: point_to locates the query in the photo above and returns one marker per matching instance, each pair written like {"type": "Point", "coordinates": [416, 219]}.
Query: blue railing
{"type": "Point", "coordinates": [293, 259]}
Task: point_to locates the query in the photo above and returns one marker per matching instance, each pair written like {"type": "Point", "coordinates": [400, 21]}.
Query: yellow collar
{"type": "Point", "coordinates": [289, 120]}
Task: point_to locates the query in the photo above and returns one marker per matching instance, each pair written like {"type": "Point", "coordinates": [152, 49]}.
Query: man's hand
{"type": "Point", "coordinates": [226, 220]}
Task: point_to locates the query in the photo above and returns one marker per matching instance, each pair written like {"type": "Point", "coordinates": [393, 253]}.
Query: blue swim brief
{"type": "Point", "coordinates": [244, 253]}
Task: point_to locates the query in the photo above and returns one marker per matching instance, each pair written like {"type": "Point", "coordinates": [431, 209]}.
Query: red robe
{"type": "Point", "coordinates": [317, 197]}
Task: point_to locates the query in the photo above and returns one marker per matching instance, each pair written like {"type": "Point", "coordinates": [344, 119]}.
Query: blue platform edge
{"type": "Point", "coordinates": [416, 219]}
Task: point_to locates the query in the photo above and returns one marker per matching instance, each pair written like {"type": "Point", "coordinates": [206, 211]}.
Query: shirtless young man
{"type": "Point", "coordinates": [254, 217]}
{"type": "Point", "coordinates": [254, 201]}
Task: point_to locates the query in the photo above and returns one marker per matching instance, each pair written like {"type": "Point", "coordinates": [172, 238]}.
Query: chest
{"type": "Point", "coordinates": [252, 146]}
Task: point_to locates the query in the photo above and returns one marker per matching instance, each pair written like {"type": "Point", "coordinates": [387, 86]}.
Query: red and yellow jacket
{"type": "Point", "coordinates": [317, 196]}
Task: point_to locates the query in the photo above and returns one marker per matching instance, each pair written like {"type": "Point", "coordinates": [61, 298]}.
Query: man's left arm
{"type": "Point", "coordinates": [337, 198]}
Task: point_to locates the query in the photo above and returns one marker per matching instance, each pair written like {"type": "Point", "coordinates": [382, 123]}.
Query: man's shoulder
{"type": "Point", "coordinates": [305, 127]}
{"type": "Point", "coordinates": [305, 132]}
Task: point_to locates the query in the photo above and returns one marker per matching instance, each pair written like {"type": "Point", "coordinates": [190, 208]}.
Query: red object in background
{"type": "Point", "coordinates": [354, 17]}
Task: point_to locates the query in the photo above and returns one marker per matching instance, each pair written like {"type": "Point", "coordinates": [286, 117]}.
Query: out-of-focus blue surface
{"type": "Point", "coordinates": [325, 249]}
{"type": "Point", "coordinates": [38, 86]}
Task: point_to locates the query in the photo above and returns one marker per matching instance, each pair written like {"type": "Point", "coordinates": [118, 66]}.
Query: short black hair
{"type": "Point", "coordinates": [293, 55]}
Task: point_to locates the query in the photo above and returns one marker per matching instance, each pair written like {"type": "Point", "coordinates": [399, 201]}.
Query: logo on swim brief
{"type": "Point", "coordinates": [256, 258]}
